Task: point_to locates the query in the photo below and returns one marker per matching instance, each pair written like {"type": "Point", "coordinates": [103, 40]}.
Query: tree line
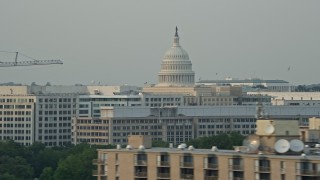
{"type": "Point", "coordinates": [72, 162]}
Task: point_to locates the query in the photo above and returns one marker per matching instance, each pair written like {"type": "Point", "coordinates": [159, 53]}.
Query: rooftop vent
{"type": "Point", "coordinates": [214, 149]}
{"type": "Point", "coordinates": [141, 147]}
{"type": "Point", "coordinates": [129, 147]}
{"type": "Point", "coordinates": [191, 148]}
{"type": "Point", "coordinates": [118, 146]}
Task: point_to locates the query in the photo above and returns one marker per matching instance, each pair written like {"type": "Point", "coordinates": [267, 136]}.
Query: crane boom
{"type": "Point", "coordinates": [29, 63]}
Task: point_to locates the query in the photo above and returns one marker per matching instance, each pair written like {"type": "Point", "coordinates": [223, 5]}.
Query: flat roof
{"type": "Point", "coordinates": [243, 81]}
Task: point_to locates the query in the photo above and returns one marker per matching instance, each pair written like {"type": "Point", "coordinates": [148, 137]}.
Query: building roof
{"type": "Point", "coordinates": [210, 152]}
{"type": "Point", "coordinates": [242, 81]}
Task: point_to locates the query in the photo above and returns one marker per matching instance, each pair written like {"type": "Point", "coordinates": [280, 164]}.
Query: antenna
{"type": "Point", "coordinates": [282, 146]}
{"type": "Point", "coordinates": [296, 145]}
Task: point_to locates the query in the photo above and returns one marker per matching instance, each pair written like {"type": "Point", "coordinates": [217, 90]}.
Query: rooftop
{"type": "Point", "coordinates": [210, 152]}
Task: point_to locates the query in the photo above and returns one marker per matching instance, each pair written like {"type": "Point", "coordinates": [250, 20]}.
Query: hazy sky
{"type": "Point", "coordinates": [123, 42]}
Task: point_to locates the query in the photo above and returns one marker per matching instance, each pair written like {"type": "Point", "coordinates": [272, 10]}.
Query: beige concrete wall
{"type": "Point", "coordinates": [281, 127]}
{"type": "Point", "coordinates": [17, 90]}
{"type": "Point", "coordinates": [137, 140]}
{"type": "Point", "coordinates": [198, 164]}
{"type": "Point", "coordinates": [314, 123]}
{"type": "Point", "coordinates": [223, 162]}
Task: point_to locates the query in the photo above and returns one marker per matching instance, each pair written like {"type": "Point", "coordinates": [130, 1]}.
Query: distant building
{"type": "Point", "coordinates": [44, 113]}
{"type": "Point", "coordinates": [177, 124]}
{"type": "Point", "coordinates": [291, 98]}
{"type": "Point", "coordinates": [250, 84]}
{"type": "Point", "coordinates": [17, 118]}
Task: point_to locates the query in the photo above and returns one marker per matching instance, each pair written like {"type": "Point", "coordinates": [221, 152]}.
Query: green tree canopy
{"type": "Point", "coordinates": [222, 141]}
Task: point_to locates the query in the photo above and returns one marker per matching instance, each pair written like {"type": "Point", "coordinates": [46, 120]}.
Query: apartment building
{"type": "Point", "coordinates": [201, 164]}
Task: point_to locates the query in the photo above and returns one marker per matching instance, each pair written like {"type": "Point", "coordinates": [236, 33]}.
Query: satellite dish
{"type": "Point", "coordinates": [296, 145]}
{"type": "Point", "coordinates": [269, 129]}
{"type": "Point", "coordinates": [282, 146]}
{"type": "Point", "coordinates": [252, 143]}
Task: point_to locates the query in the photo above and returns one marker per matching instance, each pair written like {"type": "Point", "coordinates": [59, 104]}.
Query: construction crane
{"type": "Point", "coordinates": [27, 63]}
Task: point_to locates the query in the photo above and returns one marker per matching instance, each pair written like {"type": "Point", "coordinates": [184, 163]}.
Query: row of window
{"type": "Point", "coordinates": [55, 137]}
{"type": "Point", "coordinates": [57, 100]}
{"type": "Point", "coordinates": [16, 138]}
{"type": "Point", "coordinates": [18, 100]}
{"type": "Point", "coordinates": [16, 119]}
{"type": "Point", "coordinates": [92, 127]}
{"type": "Point", "coordinates": [55, 125]}
{"type": "Point", "coordinates": [65, 118]}
{"type": "Point", "coordinates": [54, 112]}
{"type": "Point", "coordinates": [101, 134]}
{"type": "Point", "coordinates": [53, 131]}
{"type": "Point", "coordinates": [15, 132]}
{"type": "Point", "coordinates": [95, 121]}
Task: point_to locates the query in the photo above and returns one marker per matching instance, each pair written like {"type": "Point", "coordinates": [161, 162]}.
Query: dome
{"type": "Point", "coordinates": [176, 52]}
{"type": "Point", "coordinates": [176, 67]}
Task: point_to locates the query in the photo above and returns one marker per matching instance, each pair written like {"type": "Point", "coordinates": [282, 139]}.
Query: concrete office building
{"type": "Point", "coordinates": [177, 124]}
{"type": "Point", "coordinates": [17, 118]}
{"type": "Point", "coordinates": [53, 116]}
{"type": "Point", "coordinates": [90, 105]}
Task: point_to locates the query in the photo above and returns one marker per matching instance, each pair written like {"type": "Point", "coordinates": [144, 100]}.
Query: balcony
{"type": "Point", "coordinates": [141, 162]}
{"type": "Point", "coordinates": [211, 177]}
{"type": "Point", "coordinates": [308, 172]}
{"type": "Point", "coordinates": [98, 161]}
{"type": "Point", "coordinates": [163, 175]}
{"type": "Point", "coordinates": [238, 178]}
{"type": "Point", "coordinates": [186, 176]}
{"type": "Point", "coordinates": [212, 166]}
{"type": "Point", "coordinates": [236, 167]}
{"type": "Point", "coordinates": [186, 164]}
{"type": "Point", "coordinates": [98, 173]}
{"type": "Point", "coordinates": [264, 169]}
{"type": "Point", "coordinates": [164, 163]}
{"type": "Point", "coordinates": [141, 174]}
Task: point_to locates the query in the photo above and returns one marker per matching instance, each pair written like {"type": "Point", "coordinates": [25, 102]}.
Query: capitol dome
{"type": "Point", "coordinates": [176, 67]}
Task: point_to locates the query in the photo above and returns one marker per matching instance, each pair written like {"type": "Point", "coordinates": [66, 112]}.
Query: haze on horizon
{"type": "Point", "coordinates": [117, 42]}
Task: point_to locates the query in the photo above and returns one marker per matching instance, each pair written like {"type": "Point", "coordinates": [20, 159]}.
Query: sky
{"type": "Point", "coordinates": [123, 42]}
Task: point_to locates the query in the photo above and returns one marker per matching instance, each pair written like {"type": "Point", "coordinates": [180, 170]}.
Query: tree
{"type": "Point", "coordinates": [159, 143]}
{"type": "Point", "coordinates": [76, 166]}
{"type": "Point", "coordinates": [222, 141]}
{"type": "Point", "coordinates": [7, 176]}
{"type": "Point", "coordinates": [47, 174]}
{"type": "Point", "coordinates": [16, 166]}
{"type": "Point", "coordinates": [12, 149]}
{"type": "Point", "coordinates": [47, 158]}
